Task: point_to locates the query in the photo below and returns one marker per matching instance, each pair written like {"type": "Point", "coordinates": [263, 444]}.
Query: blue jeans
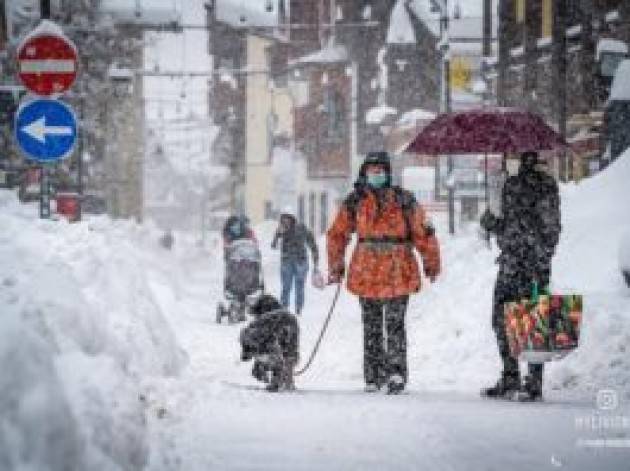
{"type": "Point", "coordinates": [293, 270]}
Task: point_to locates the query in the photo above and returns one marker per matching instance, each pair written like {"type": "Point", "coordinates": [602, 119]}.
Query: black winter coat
{"type": "Point", "coordinates": [529, 230]}
{"type": "Point", "coordinates": [295, 239]}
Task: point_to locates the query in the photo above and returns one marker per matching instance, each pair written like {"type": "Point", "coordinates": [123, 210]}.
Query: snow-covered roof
{"type": "Point", "coordinates": [612, 16]}
{"type": "Point", "coordinates": [620, 89]}
{"type": "Point", "coordinates": [119, 73]}
{"type": "Point", "coordinates": [377, 114]}
{"type": "Point", "coordinates": [154, 12]}
{"type": "Point", "coordinates": [413, 116]}
{"type": "Point", "coordinates": [329, 54]}
{"type": "Point", "coordinates": [400, 27]}
{"type": "Point", "coordinates": [468, 25]}
{"type": "Point", "coordinates": [254, 12]}
{"type": "Point", "coordinates": [574, 31]}
{"type": "Point", "coordinates": [462, 100]}
{"type": "Point", "coordinates": [611, 45]}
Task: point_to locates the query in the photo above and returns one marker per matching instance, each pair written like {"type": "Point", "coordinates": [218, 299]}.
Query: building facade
{"type": "Point", "coordinates": [557, 58]}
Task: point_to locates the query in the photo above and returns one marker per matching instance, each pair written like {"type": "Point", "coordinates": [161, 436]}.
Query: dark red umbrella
{"type": "Point", "coordinates": [487, 130]}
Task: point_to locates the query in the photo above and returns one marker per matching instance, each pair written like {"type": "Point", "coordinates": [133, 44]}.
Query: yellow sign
{"type": "Point", "coordinates": [460, 73]}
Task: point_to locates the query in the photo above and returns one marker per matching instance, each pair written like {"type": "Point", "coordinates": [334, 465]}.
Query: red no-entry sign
{"type": "Point", "coordinates": [47, 64]}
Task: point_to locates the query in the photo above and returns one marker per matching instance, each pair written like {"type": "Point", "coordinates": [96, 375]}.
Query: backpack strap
{"type": "Point", "coordinates": [404, 199]}
{"type": "Point", "coordinates": [407, 203]}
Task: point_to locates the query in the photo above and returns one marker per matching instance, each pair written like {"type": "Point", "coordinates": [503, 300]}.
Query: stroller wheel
{"type": "Point", "coordinates": [242, 317]}
{"type": "Point", "coordinates": [232, 314]}
{"type": "Point", "coordinates": [220, 313]}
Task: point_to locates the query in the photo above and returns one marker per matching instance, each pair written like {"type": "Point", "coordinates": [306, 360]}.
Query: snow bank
{"type": "Point", "coordinates": [79, 334]}
{"type": "Point", "coordinates": [620, 89]}
{"type": "Point", "coordinates": [624, 253]}
{"type": "Point", "coordinates": [595, 220]}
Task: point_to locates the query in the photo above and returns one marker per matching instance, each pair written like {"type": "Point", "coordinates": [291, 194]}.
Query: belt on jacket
{"type": "Point", "coordinates": [384, 242]}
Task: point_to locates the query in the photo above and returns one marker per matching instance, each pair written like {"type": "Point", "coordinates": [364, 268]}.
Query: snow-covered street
{"type": "Point", "coordinates": [221, 420]}
{"type": "Point", "coordinates": [111, 346]}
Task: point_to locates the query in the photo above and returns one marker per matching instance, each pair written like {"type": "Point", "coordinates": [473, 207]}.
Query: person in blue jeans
{"type": "Point", "coordinates": [296, 237]}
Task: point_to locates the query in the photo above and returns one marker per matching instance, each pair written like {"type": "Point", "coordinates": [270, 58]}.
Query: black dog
{"type": "Point", "coordinates": [272, 340]}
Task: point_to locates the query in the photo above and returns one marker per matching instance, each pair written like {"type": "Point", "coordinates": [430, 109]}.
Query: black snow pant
{"type": "Point", "coordinates": [384, 339]}
{"type": "Point", "coordinates": [509, 287]}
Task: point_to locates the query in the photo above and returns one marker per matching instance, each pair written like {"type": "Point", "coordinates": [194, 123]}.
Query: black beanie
{"type": "Point", "coordinates": [375, 158]}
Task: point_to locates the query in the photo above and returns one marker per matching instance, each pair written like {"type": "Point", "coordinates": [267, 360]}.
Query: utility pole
{"type": "Point", "coordinates": [446, 107]}
{"type": "Point", "coordinates": [559, 55]}
{"type": "Point", "coordinates": [486, 53]}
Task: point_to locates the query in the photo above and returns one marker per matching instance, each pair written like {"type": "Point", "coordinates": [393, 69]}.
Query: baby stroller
{"type": "Point", "coordinates": [243, 279]}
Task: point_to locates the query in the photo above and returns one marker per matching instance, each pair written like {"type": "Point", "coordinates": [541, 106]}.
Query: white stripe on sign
{"type": "Point", "coordinates": [47, 66]}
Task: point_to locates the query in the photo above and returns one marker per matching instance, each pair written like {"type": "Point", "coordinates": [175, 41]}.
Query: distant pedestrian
{"type": "Point", "coordinates": [383, 271]}
{"type": "Point", "coordinates": [167, 240]}
{"type": "Point", "coordinates": [527, 235]}
{"type": "Point", "coordinates": [296, 237]}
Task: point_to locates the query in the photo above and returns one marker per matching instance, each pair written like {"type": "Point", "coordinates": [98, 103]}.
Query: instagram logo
{"type": "Point", "coordinates": [607, 399]}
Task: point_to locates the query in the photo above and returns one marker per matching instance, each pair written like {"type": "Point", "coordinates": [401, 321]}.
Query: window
{"type": "Point", "coordinates": [301, 213]}
{"type": "Point", "coordinates": [335, 114]}
{"type": "Point", "coordinates": [574, 12]}
{"type": "Point", "coordinates": [519, 13]}
{"type": "Point", "coordinates": [311, 211]}
{"type": "Point", "coordinates": [269, 212]}
{"type": "Point", "coordinates": [323, 211]}
{"type": "Point", "coordinates": [547, 18]}
{"type": "Point", "coordinates": [226, 63]}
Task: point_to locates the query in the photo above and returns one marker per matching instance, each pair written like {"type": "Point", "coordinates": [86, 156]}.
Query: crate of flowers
{"type": "Point", "coordinates": [544, 327]}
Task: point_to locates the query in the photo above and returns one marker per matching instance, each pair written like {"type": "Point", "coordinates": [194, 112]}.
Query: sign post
{"type": "Point", "coordinates": [46, 129]}
{"type": "Point", "coordinates": [44, 192]}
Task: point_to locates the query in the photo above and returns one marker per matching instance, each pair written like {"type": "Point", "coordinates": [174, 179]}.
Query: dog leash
{"type": "Point", "coordinates": [321, 334]}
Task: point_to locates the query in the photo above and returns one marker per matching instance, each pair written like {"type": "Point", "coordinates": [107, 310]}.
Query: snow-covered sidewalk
{"type": "Point", "coordinates": [112, 359]}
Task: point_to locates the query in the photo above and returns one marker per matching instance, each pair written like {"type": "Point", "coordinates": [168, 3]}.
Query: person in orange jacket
{"type": "Point", "coordinates": [383, 270]}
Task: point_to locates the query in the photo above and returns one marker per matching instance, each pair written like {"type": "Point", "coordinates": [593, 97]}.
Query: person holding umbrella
{"type": "Point", "coordinates": [527, 235]}
{"type": "Point", "coordinates": [383, 271]}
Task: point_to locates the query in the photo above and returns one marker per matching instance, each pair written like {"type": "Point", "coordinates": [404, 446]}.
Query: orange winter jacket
{"type": "Point", "coordinates": [383, 264]}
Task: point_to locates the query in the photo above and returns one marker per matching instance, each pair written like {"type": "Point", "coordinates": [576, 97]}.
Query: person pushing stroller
{"type": "Point", "coordinates": [243, 272]}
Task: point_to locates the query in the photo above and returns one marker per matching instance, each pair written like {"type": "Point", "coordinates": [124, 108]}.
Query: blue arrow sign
{"type": "Point", "coordinates": [46, 130]}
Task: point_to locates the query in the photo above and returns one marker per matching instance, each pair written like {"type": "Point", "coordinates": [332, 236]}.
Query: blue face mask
{"type": "Point", "coordinates": [377, 180]}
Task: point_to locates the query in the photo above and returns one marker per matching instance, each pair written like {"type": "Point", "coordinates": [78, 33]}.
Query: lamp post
{"type": "Point", "coordinates": [445, 104]}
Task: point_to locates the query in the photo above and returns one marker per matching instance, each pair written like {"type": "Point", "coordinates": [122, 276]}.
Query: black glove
{"type": "Point", "coordinates": [489, 222]}
{"type": "Point", "coordinates": [335, 276]}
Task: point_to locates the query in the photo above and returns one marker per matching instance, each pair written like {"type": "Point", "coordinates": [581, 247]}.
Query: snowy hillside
{"type": "Point", "coordinates": [112, 359]}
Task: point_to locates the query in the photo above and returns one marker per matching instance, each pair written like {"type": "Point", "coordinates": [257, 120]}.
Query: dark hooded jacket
{"type": "Point", "coordinates": [295, 239]}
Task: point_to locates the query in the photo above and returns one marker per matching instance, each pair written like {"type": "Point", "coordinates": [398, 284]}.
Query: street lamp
{"type": "Point", "coordinates": [441, 6]}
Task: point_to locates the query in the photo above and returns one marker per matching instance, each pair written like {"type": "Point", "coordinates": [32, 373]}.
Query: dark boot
{"type": "Point", "coordinates": [531, 389]}
{"type": "Point", "coordinates": [507, 386]}
{"type": "Point", "coordinates": [260, 372]}
{"type": "Point", "coordinates": [395, 384]}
